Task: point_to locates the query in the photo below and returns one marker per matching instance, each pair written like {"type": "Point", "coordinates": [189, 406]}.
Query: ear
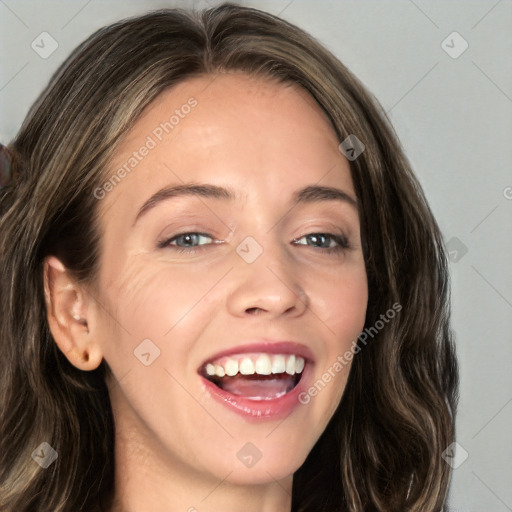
{"type": "Point", "coordinates": [70, 314]}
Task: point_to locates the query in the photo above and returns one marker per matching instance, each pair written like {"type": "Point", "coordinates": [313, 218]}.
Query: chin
{"type": "Point", "coordinates": [262, 460]}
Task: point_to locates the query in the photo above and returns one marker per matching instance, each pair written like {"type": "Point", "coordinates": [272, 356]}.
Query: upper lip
{"type": "Point", "coordinates": [265, 346]}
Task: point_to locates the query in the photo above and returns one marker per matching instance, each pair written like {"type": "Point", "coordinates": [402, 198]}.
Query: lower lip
{"type": "Point", "coordinates": [274, 409]}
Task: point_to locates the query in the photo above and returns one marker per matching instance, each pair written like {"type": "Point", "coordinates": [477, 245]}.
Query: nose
{"type": "Point", "coordinates": [270, 286]}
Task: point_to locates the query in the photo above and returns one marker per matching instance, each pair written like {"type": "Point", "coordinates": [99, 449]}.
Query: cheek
{"type": "Point", "coordinates": [154, 297]}
{"type": "Point", "coordinates": [341, 301]}
{"type": "Point", "coordinates": [151, 301]}
{"type": "Point", "coordinates": [341, 304]}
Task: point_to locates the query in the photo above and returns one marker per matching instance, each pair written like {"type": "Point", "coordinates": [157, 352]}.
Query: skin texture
{"type": "Point", "coordinates": [176, 447]}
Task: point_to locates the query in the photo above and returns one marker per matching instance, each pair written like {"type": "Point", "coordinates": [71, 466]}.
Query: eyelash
{"type": "Point", "coordinates": [341, 241]}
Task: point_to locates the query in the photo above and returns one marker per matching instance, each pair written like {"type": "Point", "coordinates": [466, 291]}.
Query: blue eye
{"type": "Point", "coordinates": [185, 242]}
{"type": "Point", "coordinates": [190, 242]}
{"type": "Point", "coordinates": [325, 241]}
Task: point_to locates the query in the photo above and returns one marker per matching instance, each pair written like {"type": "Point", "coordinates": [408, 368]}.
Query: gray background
{"type": "Point", "coordinates": [453, 116]}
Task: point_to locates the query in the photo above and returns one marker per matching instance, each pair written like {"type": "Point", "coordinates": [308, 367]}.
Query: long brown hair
{"type": "Point", "coordinates": [382, 449]}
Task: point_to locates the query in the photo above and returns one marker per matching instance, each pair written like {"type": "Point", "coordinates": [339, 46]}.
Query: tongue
{"type": "Point", "coordinates": [258, 387]}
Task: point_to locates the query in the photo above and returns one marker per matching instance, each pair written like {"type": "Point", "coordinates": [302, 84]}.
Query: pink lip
{"type": "Point", "coordinates": [274, 409]}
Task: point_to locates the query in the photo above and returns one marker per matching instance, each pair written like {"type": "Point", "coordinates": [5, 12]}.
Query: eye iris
{"type": "Point", "coordinates": [319, 239]}
{"type": "Point", "coordinates": [189, 239]}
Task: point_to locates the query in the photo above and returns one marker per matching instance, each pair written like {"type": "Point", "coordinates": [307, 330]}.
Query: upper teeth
{"type": "Point", "coordinates": [260, 364]}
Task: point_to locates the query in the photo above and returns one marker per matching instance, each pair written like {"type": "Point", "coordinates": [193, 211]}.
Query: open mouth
{"type": "Point", "coordinates": [255, 376]}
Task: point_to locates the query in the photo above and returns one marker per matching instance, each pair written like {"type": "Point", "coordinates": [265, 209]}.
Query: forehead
{"type": "Point", "coordinates": [234, 98]}
{"type": "Point", "coordinates": [228, 127]}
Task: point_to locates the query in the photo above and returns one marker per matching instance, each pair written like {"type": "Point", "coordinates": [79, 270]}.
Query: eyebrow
{"type": "Point", "coordinates": [309, 194]}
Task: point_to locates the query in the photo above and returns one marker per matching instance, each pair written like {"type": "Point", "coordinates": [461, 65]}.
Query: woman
{"type": "Point", "coordinates": [222, 286]}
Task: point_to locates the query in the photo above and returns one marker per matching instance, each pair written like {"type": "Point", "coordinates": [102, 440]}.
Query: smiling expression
{"type": "Point", "coordinates": [233, 249]}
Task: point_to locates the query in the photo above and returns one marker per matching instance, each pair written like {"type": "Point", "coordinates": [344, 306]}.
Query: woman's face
{"type": "Point", "coordinates": [252, 275]}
